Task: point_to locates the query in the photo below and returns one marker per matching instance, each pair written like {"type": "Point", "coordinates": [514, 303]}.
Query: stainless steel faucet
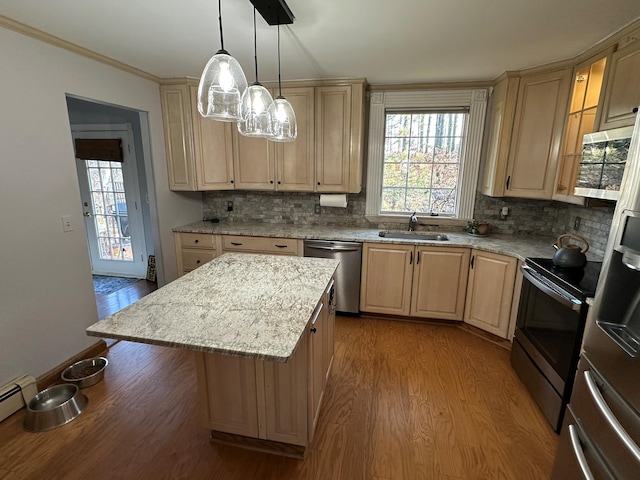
{"type": "Point", "coordinates": [413, 222]}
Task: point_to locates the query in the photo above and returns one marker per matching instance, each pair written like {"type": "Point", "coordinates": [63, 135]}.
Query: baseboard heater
{"type": "Point", "coordinates": [16, 394]}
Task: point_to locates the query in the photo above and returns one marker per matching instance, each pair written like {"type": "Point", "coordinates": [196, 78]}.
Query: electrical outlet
{"type": "Point", "coordinates": [318, 209]}
{"type": "Point", "coordinates": [229, 206]}
{"type": "Point", "coordinates": [576, 223]}
{"type": "Point", "coordinates": [67, 226]}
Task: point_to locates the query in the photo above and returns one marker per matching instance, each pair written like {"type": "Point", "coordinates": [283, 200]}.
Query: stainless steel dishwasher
{"type": "Point", "coordinates": [347, 284]}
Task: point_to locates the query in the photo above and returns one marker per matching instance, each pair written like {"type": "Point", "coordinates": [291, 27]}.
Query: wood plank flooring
{"type": "Point", "coordinates": [112, 302]}
{"type": "Point", "coordinates": [404, 401]}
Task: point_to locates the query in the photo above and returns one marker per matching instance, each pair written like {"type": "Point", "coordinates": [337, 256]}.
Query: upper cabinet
{"type": "Point", "coordinates": [199, 151]}
{"type": "Point", "coordinates": [326, 156]}
{"type": "Point", "coordinates": [526, 122]}
{"type": "Point", "coordinates": [580, 120]}
{"type": "Point", "coordinates": [537, 131]}
{"type": "Point", "coordinates": [622, 93]}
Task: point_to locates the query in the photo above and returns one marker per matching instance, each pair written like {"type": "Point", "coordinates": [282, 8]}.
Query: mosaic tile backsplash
{"type": "Point", "coordinates": [526, 217]}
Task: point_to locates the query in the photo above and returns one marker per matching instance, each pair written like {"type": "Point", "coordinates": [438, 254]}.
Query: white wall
{"type": "Point", "coordinates": [46, 295]}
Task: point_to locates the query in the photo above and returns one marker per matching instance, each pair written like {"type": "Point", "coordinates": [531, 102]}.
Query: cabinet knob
{"type": "Point", "coordinates": [318, 183]}
{"type": "Point", "coordinates": [635, 110]}
{"type": "Point", "coordinates": [279, 182]}
{"type": "Point", "coordinates": [197, 261]}
{"type": "Point", "coordinates": [313, 330]}
{"type": "Point", "coordinates": [196, 241]}
{"type": "Point", "coordinates": [271, 181]}
{"type": "Point", "coordinates": [231, 181]}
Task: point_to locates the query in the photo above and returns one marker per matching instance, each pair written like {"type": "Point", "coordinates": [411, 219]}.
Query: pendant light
{"type": "Point", "coordinates": [256, 100]}
{"type": "Point", "coordinates": [283, 119]}
{"type": "Point", "coordinates": [221, 85]}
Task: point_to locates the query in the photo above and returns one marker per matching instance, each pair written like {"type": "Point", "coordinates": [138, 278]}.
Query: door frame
{"type": "Point", "coordinates": [123, 131]}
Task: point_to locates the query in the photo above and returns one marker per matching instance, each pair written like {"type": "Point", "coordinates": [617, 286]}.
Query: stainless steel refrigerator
{"type": "Point", "coordinates": [600, 436]}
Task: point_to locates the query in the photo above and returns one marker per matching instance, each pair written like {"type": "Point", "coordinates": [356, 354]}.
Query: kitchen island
{"type": "Point", "coordinates": [261, 327]}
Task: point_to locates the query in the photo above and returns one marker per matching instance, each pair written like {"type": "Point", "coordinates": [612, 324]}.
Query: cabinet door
{"type": "Point", "coordinates": [295, 160]}
{"type": "Point", "coordinates": [623, 88]}
{"type": "Point", "coordinates": [329, 338]}
{"type": "Point", "coordinates": [227, 393]}
{"type": "Point", "coordinates": [213, 152]}
{"type": "Point", "coordinates": [333, 145]}
{"type": "Point", "coordinates": [317, 332]}
{"type": "Point", "coordinates": [537, 131]}
{"type": "Point", "coordinates": [503, 105]}
{"type": "Point", "coordinates": [440, 282]}
{"type": "Point", "coordinates": [285, 394]}
{"type": "Point", "coordinates": [490, 292]}
{"type": "Point", "coordinates": [254, 164]}
{"type": "Point", "coordinates": [387, 271]}
{"type": "Point", "coordinates": [178, 135]}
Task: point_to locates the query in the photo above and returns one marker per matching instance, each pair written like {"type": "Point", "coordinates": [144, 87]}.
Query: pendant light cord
{"type": "Point", "coordinates": [220, 22]}
{"type": "Point", "coordinates": [255, 43]}
{"type": "Point", "coordinates": [279, 78]}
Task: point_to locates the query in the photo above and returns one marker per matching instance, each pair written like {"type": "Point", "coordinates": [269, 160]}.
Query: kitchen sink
{"type": "Point", "coordinates": [438, 237]}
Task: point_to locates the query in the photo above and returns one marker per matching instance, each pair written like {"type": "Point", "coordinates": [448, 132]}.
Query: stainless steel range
{"type": "Point", "coordinates": [549, 328]}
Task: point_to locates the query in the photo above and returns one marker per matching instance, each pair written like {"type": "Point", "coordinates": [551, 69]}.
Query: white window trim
{"type": "Point", "coordinates": [380, 102]}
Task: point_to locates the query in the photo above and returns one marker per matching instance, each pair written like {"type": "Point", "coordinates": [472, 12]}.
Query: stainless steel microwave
{"type": "Point", "coordinates": [604, 156]}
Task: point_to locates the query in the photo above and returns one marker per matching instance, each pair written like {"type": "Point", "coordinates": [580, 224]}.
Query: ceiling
{"type": "Point", "coordinates": [401, 41]}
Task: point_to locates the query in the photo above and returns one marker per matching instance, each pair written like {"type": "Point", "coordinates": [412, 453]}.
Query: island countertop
{"type": "Point", "coordinates": [238, 304]}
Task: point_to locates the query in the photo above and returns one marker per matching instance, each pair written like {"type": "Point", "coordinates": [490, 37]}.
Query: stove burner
{"type": "Point", "coordinates": [581, 282]}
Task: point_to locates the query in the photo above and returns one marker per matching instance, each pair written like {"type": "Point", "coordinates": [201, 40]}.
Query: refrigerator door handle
{"type": "Point", "coordinates": [577, 450]}
{"type": "Point", "coordinates": [610, 417]}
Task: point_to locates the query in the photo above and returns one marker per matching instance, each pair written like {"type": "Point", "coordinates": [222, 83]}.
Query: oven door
{"type": "Point", "coordinates": [549, 328]}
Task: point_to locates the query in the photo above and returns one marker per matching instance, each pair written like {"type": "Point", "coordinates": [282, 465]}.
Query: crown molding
{"type": "Point", "coordinates": [24, 29]}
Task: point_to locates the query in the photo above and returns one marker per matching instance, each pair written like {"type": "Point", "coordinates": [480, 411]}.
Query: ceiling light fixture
{"type": "Point", "coordinates": [222, 84]}
{"type": "Point", "coordinates": [283, 119]}
{"type": "Point", "coordinates": [256, 100]}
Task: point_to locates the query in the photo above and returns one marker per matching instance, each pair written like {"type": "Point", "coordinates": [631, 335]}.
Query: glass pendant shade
{"type": "Point", "coordinates": [283, 121]}
{"type": "Point", "coordinates": [221, 88]}
{"type": "Point", "coordinates": [256, 119]}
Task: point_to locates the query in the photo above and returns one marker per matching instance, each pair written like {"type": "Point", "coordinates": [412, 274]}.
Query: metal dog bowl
{"type": "Point", "coordinates": [53, 407]}
{"type": "Point", "coordinates": [85, 372]}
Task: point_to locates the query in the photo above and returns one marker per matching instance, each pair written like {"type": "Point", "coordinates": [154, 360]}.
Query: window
{"type": "Point", "coordinates": [424, 153]}
{"type": "Point", "coordinates": [421, 162]}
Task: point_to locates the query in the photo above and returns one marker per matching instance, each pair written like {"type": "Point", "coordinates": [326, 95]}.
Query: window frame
{"type": "Point", "coordinates": [475, 100]}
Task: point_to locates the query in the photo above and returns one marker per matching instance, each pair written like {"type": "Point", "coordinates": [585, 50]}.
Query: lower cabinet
{"type": "Point", "coordinates": [420, 281]}
{"type": "Point", "coordinates": [492, 278]}
{"type": "Point", "coordinates": [274, 401]}
{"type": "Point", "coordinates": [194, 250]}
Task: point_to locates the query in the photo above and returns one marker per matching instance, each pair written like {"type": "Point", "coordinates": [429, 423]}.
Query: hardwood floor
{"type": "Point", "coordinates": [111, 303]}
{"type": "Point", "coordinates": [404, 401]}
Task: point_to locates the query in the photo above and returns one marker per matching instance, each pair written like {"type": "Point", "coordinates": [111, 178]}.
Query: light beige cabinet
{"type": "Point", "coordinates": [526, 124]}
{"type": "Point", "coordinates": [266, 400]}
{"type": "Point", "coordinates": [537, 130]}
{"type": "Point", "coordinates": [428, 282]}
{"type": "Point", "coordinates": [263, 165]}
{"type": "Point", "coordinates": [194, 250]}
{"type": "Point", "coordinates": [340, 120]}
{"type": "Point", "coordinates": [503, 105]}
{"type": "Point", "coordinates": [492, 278]}
{"type": "Point", "coordinates": [327, 155]}
{"type": "Point", "coordinates": [581, 119]}
{"type": "Point", "coordinates": [268, 245]}
{"type": "Point", "coordinates": [199, 151]}
{"type": "Point", "coordinates": [622, 93]}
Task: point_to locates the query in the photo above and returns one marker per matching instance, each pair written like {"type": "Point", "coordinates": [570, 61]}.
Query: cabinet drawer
{"type": "Point", "coordinates": [197, 240]}
{"type": "Point", "coordinates": [192, 259]}
{"type": "Point", "coordinates": [281, 246]}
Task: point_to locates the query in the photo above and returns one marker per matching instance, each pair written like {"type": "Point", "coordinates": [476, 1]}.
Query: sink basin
{"type": "Point", "coordinates": [438, 237]}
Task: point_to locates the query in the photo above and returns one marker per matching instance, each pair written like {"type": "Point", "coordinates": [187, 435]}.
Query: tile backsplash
{"type": "Point", "coordinates": [526, 217]}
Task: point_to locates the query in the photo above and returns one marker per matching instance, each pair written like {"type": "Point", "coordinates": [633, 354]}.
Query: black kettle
{"type": "Point", "coordinates": [570, 255]}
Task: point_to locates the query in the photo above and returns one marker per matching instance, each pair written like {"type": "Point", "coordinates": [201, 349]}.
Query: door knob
{"type": "Point", "coordinates": [88, 214]}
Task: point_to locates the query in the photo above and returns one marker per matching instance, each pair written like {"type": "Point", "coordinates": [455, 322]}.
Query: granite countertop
{"type": "Point", "coordinates": [238, 304]}
{"type": "Point", "coordinates": [517, 246]}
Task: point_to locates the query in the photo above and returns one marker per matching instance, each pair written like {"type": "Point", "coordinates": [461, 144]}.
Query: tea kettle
{"type": "Point", "coordinates": [570, 255]}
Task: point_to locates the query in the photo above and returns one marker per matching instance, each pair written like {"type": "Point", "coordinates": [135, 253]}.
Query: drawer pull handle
{"type": "Point", "coordinates": [610, 417]}
{"type": "Point", "coordinates": [236, 244]}
{"type": "Point", "coordinates": [579, 453]}
{"type": "Point", "coordinates": [282, 246]}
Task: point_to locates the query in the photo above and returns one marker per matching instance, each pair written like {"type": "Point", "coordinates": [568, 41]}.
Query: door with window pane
{"type": "Point", "coordinates": [111, 207]}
